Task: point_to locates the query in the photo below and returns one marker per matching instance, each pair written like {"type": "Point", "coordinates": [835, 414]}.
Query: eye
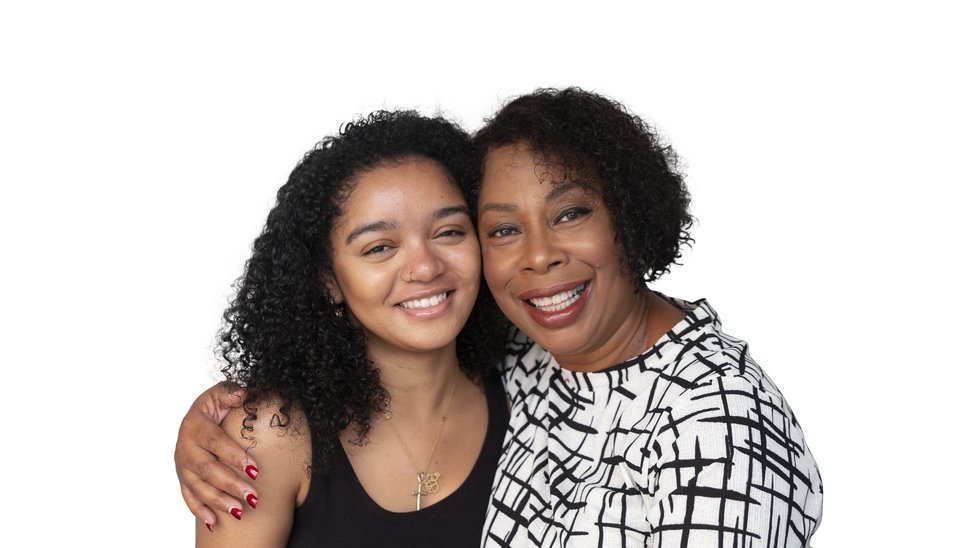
{"type": "Point", "coordinates": [377, 250]}
{"type": "Point", "coordinates": [502, 231]}
{"type": "Point", "coordinates": [451, 233]}
{"type": "Point", "coordinates": [572, 214]}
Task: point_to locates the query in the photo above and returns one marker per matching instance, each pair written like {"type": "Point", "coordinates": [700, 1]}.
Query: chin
{"type": "Point", "coordinates": [433, 342]}
{"type": "Point", "coordinates": [549, 339]}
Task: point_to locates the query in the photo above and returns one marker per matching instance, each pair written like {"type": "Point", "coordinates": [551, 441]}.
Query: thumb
{"type": "Point", "coordinates": [219, 399]}
{"type": "Point", "coordinates": [232, 395]}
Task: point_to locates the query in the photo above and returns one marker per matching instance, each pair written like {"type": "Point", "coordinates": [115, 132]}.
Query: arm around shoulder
{"type": "Point", "coordinates": [285, 454]}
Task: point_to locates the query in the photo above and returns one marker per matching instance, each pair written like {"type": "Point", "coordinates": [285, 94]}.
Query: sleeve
{"type": "Point", "coordinates": [733, 470]}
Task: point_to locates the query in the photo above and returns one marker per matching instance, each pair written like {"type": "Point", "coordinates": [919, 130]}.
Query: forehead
{"type": "Point", "coordinates": [401, 185]}
{"type": "Point", "coordinates": [517, 170]}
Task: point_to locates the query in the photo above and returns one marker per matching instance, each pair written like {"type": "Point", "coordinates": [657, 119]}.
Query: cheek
{"type": "Point", "coordinates": [601, 257]}
{"type": "Point", "coordinates": [360, 285]}
{"type": "Point", "coordinates": [599, 248]}
{"type": "Point", "coordinates": [472, 258]}
{"type": "Point", "coordinates": [497, 278]}
{"type": "Point", "coordinates": [465, 261]}
{"type": "Point", "coordinates": [494, 273]}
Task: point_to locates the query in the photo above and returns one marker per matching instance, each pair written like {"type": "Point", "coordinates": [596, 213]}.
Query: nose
{"type": "Point", "coordinates": [541, 251]}
{"type": "Point", "coordinates": [422, 264]}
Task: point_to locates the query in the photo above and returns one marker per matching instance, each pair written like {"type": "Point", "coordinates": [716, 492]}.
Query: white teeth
{"type": "Point", "coordinates": [558, 302]}
{"type": "Point", "coordinates": [425, 302]}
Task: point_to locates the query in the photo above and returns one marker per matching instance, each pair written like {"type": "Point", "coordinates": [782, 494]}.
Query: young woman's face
{"type": "Point", "coordinates": [406, 259]}
{"type": "Point", "coordinates": [550, 256]}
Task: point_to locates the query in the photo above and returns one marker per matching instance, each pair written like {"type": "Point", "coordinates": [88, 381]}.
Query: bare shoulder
{"type": "Point", "coordinates": [269, 432]}
{"type": "Point", "coordinates": [281, 443]}
{"type": "Point", "coordinates": [280, 440]}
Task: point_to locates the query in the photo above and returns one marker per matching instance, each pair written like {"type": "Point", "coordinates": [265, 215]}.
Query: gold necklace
{"type": "Point", "coordinates": [427, 482]}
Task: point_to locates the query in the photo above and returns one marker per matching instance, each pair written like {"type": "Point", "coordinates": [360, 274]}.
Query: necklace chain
{"type": "Point", "coordinates": [427, 482]}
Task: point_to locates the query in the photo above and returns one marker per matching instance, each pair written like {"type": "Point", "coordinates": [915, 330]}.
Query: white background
{"type": "Point", "coordinates": [827, 149]}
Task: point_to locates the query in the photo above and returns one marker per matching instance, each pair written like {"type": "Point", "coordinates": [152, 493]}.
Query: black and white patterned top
{"type": "Point", "coordinates": [689, 444]}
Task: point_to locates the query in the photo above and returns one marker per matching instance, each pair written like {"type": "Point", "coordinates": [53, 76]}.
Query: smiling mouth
{"type": "Point", "coordinates": [425, 302]}
{"type": "Point", "coordinates": [559, 301]}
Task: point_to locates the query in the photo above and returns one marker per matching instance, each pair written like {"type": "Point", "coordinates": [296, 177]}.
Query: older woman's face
{"type": "Point", "coordinates": [405, 257]}
{"type": "Point", "coordinates": [550, 256]}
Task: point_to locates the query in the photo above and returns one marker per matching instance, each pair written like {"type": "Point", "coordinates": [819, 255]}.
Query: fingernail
{"type": "Point", "coordinates": [208, 526]}
{"type": "Point", "coordinates": [251, 471]}
{"type": "Point", "coordinates": [252, 500]}
{"type": "Point", "coordinates": [236, 512]}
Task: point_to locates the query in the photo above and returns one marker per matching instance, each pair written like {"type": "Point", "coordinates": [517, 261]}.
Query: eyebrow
{"type": "Point", "coordinates": [563, 189]}
{"type": "Point", "coordinates": [552, 195]}
{"type": "Point", "coordinates": [503, 208]}
{"type": "Point", "coordinates": [379, 226]}
{"type": "Point", "coordinates": [445, 212]}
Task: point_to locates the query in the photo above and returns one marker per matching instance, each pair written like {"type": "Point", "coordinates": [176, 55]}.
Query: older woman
{"type": "Point", "coordinates": [635, 420]}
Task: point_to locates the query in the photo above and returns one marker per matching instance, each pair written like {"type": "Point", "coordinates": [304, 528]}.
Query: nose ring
{"type": "Point", "coordinates": [409, 277]}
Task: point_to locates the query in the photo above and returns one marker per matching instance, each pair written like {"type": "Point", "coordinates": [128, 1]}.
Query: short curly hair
{"type": "Point", "coordinates": [282, 337]}
{"type": "Point", "coordinates": [638, 175]}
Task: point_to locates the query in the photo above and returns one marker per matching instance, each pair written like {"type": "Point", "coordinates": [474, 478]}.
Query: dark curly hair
{"type": "Point", "coordinates": [282, 337]}
{"type": "Point", "coordinates": [639, 180]}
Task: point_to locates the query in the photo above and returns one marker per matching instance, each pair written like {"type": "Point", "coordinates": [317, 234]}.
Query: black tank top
{"type": "Point", "coordinates": [339, 513]}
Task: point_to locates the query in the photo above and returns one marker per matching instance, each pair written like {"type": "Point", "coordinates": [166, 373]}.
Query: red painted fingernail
{"type": "Point", "coordinates": [251, 471]}
{"type": "Point", "coordinates": [252, 500]}
{"type": "Point", "coordinates": [235, 512]}
{"type": "Point", "coordinates": [208, 526]}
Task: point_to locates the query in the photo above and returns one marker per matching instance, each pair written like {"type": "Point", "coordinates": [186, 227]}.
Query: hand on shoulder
{"type": "Point", "coordinates": [280, 440]}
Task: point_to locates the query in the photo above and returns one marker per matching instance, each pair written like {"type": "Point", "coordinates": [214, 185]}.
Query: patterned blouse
{"type": "Point", "coordinates": [689, 444]}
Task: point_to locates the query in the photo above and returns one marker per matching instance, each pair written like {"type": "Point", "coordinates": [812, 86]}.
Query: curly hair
{"type": "Point", "coordinates": [282, 336]}
{"type": "Point", "coordinates": [639, 180]}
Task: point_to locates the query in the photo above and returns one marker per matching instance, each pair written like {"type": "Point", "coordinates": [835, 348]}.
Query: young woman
{"type": "Point", "coordinates": [635, 420]}
{"type": "Point", "coordinates": [376, 424]}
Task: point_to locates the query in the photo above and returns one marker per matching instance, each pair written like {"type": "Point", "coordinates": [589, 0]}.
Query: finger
{"type": "Point", "coordinates": [218, 500]}
{"type": "Point", "coordinates": [213, 475]}
{"type": "Point", "coordinates": [210, 481]}
{"type": "Point", "coordinates": [200, 428]}
{"type": "Point", "coordinates": [196, 506]}
{"type": "Point", "coordinates": [232, 395]}
{"type": "Point", "coordinates": [217, 442]}
{"type": "Point", "coordinates": [218, 400]}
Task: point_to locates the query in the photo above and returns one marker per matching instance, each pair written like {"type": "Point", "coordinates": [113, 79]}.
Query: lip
{"type": "Point", "coordinates": [559, 318]}
{"type": "Point", "coordinates": [551, 290]}
{"type": "Point", "coordinates": [430, 311]}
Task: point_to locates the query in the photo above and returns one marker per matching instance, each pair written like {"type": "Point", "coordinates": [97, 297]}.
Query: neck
{"type": "Point", "coordinates": [418, 382]}
{"type": "Point", "coordinates": [648, 320]}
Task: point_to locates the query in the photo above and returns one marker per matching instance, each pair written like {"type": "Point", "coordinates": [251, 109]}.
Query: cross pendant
{"type": "Point", "coordinates": [420, 491]}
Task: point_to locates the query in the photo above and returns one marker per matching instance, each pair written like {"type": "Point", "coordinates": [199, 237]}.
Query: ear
{"type": "Point", "coordinates": [329, 286]}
